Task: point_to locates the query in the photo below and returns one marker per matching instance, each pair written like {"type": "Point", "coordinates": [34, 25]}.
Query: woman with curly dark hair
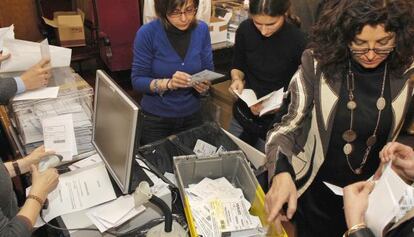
{"type": "Point", "coordinates": [348, 99]}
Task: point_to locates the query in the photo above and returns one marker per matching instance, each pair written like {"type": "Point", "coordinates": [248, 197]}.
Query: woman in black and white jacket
{"type": "Point", "coordinates": [348, 99]}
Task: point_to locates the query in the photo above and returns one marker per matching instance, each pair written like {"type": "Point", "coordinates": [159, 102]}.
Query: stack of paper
{"type": "Point", "coordinates": [74, 97]}
{"type": "Point", "coordinates": [218, 207]}
{"type": "Point", "coordinates": [114, 213]}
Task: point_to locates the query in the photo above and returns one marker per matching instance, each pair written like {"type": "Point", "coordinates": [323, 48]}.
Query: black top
{"type": "Point", "coordinates": [319, 204]}
{"type": "Point", "coordinates": [268, 62]}
{"type": "Point", "coordinates": [179, 39]}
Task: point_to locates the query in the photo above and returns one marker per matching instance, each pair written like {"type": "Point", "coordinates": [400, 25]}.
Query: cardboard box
{"type": "Point", "coordinates": [218, 28]}
{"type": "Point", "coordinates": [222, 98]}
{"type": "Point", "coordinates": [70, 28]}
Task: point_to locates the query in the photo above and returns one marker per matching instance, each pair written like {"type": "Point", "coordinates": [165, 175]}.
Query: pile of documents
{"type": "Point", "coordinates": [74, 97]}
{"type": "Point", "coordinates": [219, 208]}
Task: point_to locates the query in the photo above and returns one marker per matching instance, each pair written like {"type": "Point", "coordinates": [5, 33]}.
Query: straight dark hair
{"type": "Point", "coordinates": [165, 7]}
{"type": "Point", "coordinates": [342, 20]}
{"type": "Point", "coordinates": [273, 8]}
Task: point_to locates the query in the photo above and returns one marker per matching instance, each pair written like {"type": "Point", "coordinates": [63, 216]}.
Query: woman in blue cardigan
{"type": "Point", "coordinates": [167, 51]}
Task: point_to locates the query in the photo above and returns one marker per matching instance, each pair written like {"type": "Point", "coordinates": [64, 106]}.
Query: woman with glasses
{"type": "Point", "coordinates": [167, 51]}
{"type": "Point", "coordinates": [267, 53]}
{"type": "Point", "coordinates": [348, 99]}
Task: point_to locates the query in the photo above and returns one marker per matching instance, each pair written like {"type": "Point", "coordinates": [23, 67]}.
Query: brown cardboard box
{"type": "Point", "coordinates": [222, 98]}
{"type": "Point", "coordinates": [70, 29]}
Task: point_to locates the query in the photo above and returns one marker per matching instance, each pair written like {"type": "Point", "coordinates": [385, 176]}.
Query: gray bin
{"type": "Point", "coordinates": [231, 165]}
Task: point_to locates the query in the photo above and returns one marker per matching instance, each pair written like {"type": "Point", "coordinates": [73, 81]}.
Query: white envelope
{"type": "Point", "coordinates": [25, 54]}
{"type": "Point", "coordinates": [6, 33]}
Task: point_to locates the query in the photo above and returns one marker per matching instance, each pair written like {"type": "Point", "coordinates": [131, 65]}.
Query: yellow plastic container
{"type": "Point", "coordinates": [231, 165]}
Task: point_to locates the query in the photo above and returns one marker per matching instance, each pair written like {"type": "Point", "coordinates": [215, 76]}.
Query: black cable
{"type": "Point", "coordinates": [165, 209]}
{"type": "Point", "coordinates": [155, 171]}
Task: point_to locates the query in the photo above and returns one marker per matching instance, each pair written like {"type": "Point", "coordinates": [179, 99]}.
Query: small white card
{"type": "Point", "coordinates": [203, 148]}
{"type": "Point", "coordinates": [205, 75]}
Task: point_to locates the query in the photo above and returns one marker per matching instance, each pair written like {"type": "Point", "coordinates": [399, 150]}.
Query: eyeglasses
{"type": "Point", "coordinates": [190, 11]}
{"type": "Point", "coordinates": [378, 51]}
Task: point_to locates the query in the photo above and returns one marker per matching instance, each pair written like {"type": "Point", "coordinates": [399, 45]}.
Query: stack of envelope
{"type": "Point", "coordinates": [114, 213]}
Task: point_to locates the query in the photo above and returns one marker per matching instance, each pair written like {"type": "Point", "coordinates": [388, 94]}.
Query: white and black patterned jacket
{"type": "Point", "coordinates": [304, 132]}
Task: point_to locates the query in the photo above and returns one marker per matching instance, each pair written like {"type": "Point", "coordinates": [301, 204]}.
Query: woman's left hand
{"type": "Point", "coordinates": [37, 155]}
{"type": "Point", "coordinates": [202, 87]}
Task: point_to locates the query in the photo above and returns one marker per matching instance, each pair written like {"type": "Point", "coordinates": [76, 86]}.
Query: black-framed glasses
{"type": "Point", "coordinates": [190, 11]}
{"type": "Point", "coordinates": [378, 51]}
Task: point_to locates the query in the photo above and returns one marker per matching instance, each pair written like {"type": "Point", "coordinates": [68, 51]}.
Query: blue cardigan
{"type": "Point", "coordinates": [155, 58]}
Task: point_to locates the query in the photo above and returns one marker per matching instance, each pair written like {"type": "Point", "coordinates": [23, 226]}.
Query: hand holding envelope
{"type": "Point", "coordinates": [37, 76]}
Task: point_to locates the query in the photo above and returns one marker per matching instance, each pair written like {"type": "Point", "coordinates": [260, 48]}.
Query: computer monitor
{"type": "Point", "coordinates": [116, 130]}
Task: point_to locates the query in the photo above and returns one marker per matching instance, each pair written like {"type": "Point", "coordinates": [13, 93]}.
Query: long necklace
{"type": "Point", "coordinates": [350, 135]}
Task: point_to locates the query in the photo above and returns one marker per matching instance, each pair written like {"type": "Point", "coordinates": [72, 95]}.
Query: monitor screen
{"type": "Point", "coordinates": [115, 134]}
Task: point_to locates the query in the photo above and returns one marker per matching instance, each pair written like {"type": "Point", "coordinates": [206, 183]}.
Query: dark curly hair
{"type": "Point", "coordinates": [342, 20]}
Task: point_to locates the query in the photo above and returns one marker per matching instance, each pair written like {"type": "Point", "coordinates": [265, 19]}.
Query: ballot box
{"type": "Point", "coordinates": [231, 165]}
{"type": "Point", "coordinates": [74, 97]}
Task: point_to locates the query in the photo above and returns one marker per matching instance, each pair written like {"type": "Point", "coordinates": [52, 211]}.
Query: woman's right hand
{"type": "Point", "coordinates": [43, 183]}
{"type": "Point", "coordinates": [283, 190]}
{"type": "Point", "coordinates": [236, 85]}
{"type": "Point", "coordinates": [180, 80]}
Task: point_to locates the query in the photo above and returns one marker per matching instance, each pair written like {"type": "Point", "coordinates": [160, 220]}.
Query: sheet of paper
{"type": "Point", "coordinates": [89, 161]}
{"type": "Point", "coordinates": [205, 75]}
{"type": "Point", "coordinates": [6, 33]}
{"type": "Point", "coordinates": [250, 98]}
{"type": "Point", "coordinates": [335, 189]}
{"type": "Point", "coordinates": [383, 204]}
{"type": "Point", "coordinates": [26, 54]}
{"type": "Point", "coordinates": [78, 190]}
{"type": "Point", "coordinates": [273, 102]}
{"type": "Point", "coordinates": [59, 136]}
{"type": "Point", "coordinates": [256, 157]}
{"type": "Point", "coordinates": [42, 93]}
{"type": "Point", "coordinates": [203, 148]}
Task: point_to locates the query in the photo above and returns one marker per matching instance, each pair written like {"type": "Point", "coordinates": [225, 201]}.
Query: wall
{"type": "Point", "coordinates": [21, 13]}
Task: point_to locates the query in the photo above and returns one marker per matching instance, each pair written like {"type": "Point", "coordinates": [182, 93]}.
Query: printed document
{"type": "Point", "coordinates": [59, 136]}
{"type": "Point", "coordinates": [78, 190]}
{"type": "Point", "coordinates": [270, 101]}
